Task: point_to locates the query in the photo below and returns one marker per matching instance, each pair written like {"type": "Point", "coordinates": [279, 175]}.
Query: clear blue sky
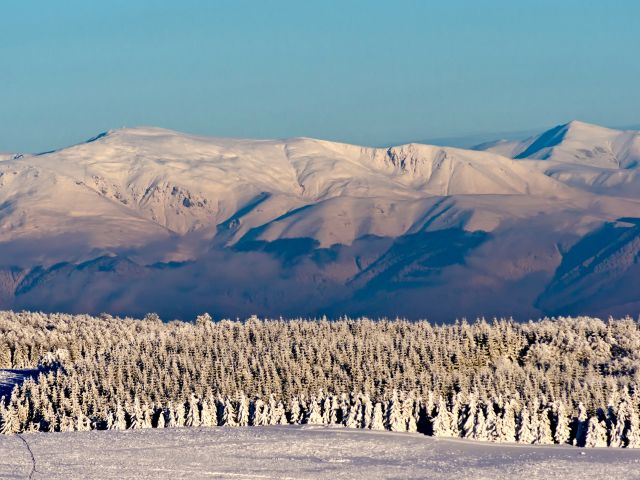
{"type": "Point", "coordinates": [366, 72]}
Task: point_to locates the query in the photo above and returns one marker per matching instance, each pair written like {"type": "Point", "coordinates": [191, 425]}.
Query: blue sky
{"type": "Point", "coordinates": [370, 72]}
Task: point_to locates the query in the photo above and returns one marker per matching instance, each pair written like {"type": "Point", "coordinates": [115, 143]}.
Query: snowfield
{"type": "Point", "coordinates": [297, 452]}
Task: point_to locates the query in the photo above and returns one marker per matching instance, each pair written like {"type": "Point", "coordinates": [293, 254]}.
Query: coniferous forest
{"type": "Point", "coordinates": [563, 380]}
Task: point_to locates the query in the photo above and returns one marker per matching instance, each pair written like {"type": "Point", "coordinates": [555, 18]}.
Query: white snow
{"type": "Point", "coordinates": [131, 187]}
{"type": "Point", "coordinates": [297, 453]}
{"type": "Point", "coordinates": [598, 159]}
{"type": "Point", "coordinates": [150, 195]}
{"type": "Point", "coordinates": [182, 183]}
{"type": "Point", "coordinates": [6, 156]}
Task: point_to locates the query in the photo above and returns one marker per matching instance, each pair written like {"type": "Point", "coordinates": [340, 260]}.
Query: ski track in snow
{"type": "Point", "coordinates": [294, 452]}
{"type": "Point", "coordinates": [33, 458]}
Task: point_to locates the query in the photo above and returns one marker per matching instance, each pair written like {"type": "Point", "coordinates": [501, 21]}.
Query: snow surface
{"type": "Point", "coordinates": [116, 223]}
{"type": "Point", "coordinates": [598, 159]}
{"type": "Point", "coordinates": [297, 453]}
{"type": "Point", "coordinates": [131, 185]}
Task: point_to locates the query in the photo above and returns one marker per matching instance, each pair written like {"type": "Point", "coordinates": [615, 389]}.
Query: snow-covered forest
{"type": "Point", "coordinates": [565, 380]}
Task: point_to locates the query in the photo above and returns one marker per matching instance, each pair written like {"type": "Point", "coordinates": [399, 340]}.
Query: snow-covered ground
{"type": "Point", "coordinates": [297, 452]}
{"type": "Point", "coordinates": [10, 378]}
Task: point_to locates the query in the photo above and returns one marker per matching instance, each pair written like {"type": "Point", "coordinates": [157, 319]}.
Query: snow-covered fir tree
{"type": "Point", "coordinates": [564, 380]}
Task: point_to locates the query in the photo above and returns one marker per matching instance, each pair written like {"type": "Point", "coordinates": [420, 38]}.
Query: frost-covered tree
{"type": "Point", "coordinates": [442, 420]}
{"type": "Point", "coordinates": [410, 414]}
{"type": "Point", "coordinates": [159, 420]}
{"type": "Point", "coordinates": [491, 424]}
{"type": "Point", "coordinates": [208, 414]}
{"type": "Point", "coordinates": [329, 410]}
{"type": "Point", "coordinates": [314, 413]}
{"type": "Point", "coordinates": [507, 422]}
{"type": "Point", "coordinates": [395, 419]}
{"type": "Point", "coordinates": [279, 414]}
{"type": "Point", "coordinates": [135, 414]}
{"type": "Point", "coordinates": [367, 412]}
{"type": "Point", "coordinates": [119, 418]}
{"type": "Point", "coordinates": [355, 415]}
{"type": "Point", "coordinates": [147, 417]}
{"type": "Point", "coordinates": [467, 429]}
{"type": "Point", "coordinates": [170, 416]}
{"type": "Point", "coordinates": [480, 431]}
{"type": "Point", "coordinates": [377, 420]}
{"type": "Point", "coordinates": [8, 421]}
{"type": "Point", "coordinates": [562, 432]}
{"type": "Point", "coordinates": [524, 433]}
{"type": "Point", "coordinates": [616, 424]}
{"type": "Point", "coordinates": [179, 415]}
{"type": "Point", "coordinates": [108, 372]}
{"type": "Point", "coordinates": [228, 414]}
{"type": "Point", "coordinates": [632, 432]}
{"type": "Point", "coordinates": [596, 433]}
{"type": "Point", "coordinates": [258, 416]}
{"type": "Point", "coordinates": [192, 418]}
{"type": "Point", "coordinates": [580, 426]}
{"type": "Point", "coordinates": [543, 434]}
{"type": "Point", "coordinates": [243, 411]}
{"type": "Point", "coordinates": [82, 423]}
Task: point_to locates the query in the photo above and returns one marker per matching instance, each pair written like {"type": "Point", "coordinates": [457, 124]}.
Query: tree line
{"type": "Point", "coordinates": [562, 380]}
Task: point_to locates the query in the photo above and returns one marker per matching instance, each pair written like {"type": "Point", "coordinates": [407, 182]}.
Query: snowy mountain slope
{"type": "Point", "coordinates": [6, 156]}
{"type": "Point", "coordinates": [185, 183]}
{"type": "Point", "coordinates": [602, 160]}
{"type": "Point", "coordinates": [38, 203]}
{"type": "Point", "coordinates": [344, 219]}
{"type": "Point", "coordinates": [496, 272]}
{"type": "Point", "coordinates": [308, 452]}
{"type": "Point", "coordinates": [576, 142]}
{"type": "Point", "coordinates": [116, 223]}
{"type": "Point", "coordinates": [598, 272]}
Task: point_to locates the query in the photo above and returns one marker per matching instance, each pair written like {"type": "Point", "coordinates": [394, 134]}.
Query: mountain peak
{"type": "Point", "coordinates": [581, 154]}
{"type": "Point", "coordinates": [577, 127]}
{"type": "Point", "coordinates": [581, 124]}
{"type": "Point", "coordinates": [541, 146]}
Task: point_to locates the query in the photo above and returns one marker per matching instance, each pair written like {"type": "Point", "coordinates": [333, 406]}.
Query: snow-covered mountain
{"type": "Point", "coordinates": [577, 142]}
{"type": "Point", "coordinates": [595, 158]}
{"type": "Point", "coordinates": [185, 183]}
{"type": "Point", "coordinates": [149, 219]}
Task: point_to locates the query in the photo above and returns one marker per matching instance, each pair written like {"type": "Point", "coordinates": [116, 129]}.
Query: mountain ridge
{"type": "Point", "coordinates": [305, 226]}
{"type": "Point", "coordinates": [592, 158]}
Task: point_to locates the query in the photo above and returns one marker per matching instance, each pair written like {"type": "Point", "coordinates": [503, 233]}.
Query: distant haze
{"type": "Point", "coordinates": [474, 139]}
